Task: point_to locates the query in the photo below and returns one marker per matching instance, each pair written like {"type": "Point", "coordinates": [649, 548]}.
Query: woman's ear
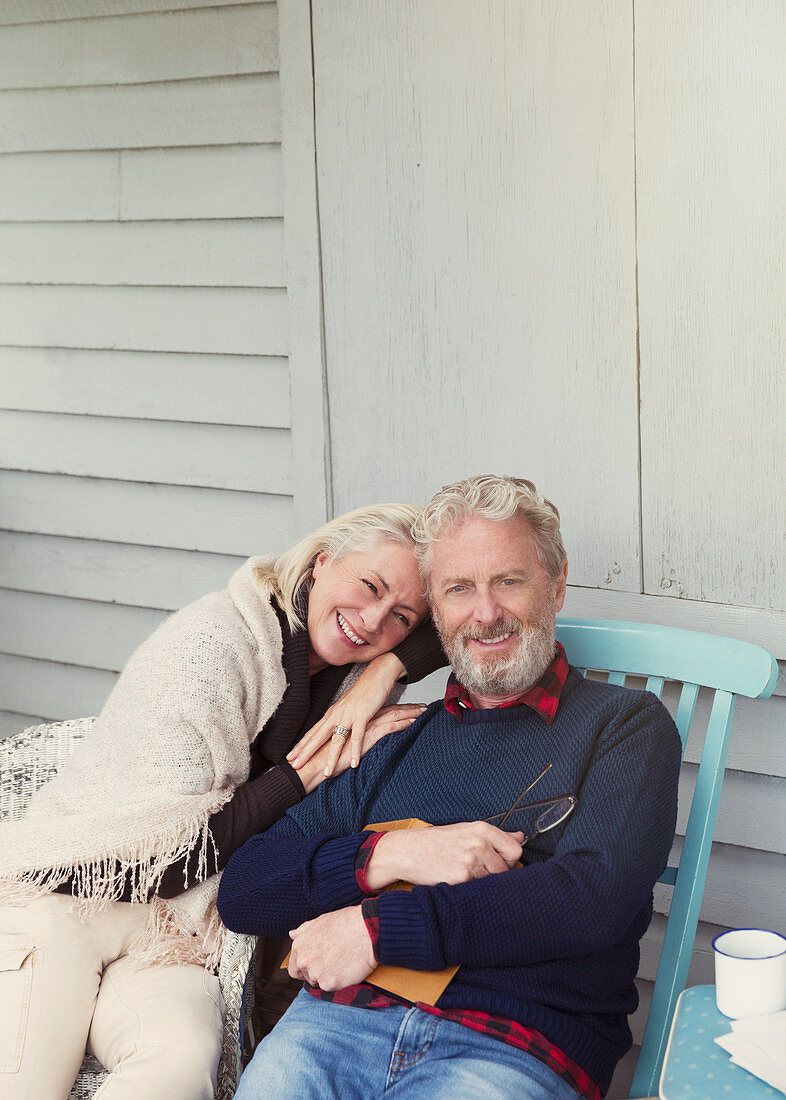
{"type": "Point", "coordinates": [319, 562]}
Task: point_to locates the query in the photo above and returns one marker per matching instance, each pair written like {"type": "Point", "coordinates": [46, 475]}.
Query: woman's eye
{"type": "Point", "coordinates": [371, 585]}
{"type": "Point", "coordinates": [403, 618]}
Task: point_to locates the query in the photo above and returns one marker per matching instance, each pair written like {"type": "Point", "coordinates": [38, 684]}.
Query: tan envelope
{"type": "Point", "coordinates": [426, 986]}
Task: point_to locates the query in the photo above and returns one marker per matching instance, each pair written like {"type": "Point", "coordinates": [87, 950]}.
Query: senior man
{"type": "Point", "coordinates": [546, 952]}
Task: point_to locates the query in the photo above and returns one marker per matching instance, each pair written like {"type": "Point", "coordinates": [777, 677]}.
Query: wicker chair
{"type": "Point", "coordinates": [28, 760]}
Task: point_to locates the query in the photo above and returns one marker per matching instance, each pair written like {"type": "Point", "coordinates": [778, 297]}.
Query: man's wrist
{"type": "Point", "coordinates": [381, 869]}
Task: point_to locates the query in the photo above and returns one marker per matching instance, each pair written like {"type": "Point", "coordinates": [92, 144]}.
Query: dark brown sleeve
{"type": "Point", "coordinates": [421, 653]}
{"type": "Point", "coordinates": [253, 808]}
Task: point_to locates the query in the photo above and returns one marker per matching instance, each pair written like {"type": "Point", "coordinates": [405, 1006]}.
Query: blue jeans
{"type": "Point", "coordinates": [320, 1050]}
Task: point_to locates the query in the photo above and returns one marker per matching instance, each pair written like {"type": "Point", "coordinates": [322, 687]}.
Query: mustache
{"type": "Point", "coordinates": [494, 630]}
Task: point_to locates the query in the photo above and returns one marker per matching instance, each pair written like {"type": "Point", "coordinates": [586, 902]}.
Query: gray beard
{"type": "Point", "coordinates": [503, 675]}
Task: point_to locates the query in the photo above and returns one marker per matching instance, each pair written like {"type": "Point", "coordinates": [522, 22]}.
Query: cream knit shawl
{"type": "Point", "coordinates": [168, 750]}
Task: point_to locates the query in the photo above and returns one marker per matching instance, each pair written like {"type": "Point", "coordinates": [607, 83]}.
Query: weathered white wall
{"type": "Point", "coordinates": [146, 433]}
{"type": "Point", "coordinates": [478, 244]}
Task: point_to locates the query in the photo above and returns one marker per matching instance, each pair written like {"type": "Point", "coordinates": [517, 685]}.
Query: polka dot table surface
{"type": "Point", "coordinates": [695, 1066]}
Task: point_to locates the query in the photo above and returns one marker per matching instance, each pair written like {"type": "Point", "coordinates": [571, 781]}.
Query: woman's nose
{"type": "Point", "coordinates": [373, 616]}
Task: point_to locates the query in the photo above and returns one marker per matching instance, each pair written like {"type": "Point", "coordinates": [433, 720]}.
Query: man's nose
{"type": "Point", "coordinates": [486, 608]}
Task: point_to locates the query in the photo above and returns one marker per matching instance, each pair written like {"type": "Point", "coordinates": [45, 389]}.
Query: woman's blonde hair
{"type": "Point", "coordinates": [490, 497]}
{"type": "Point", "coordinates": [290, 577]}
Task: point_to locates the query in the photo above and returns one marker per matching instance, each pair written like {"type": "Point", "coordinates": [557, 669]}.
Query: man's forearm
{"type": "Point", "coordinates": [273, 884]}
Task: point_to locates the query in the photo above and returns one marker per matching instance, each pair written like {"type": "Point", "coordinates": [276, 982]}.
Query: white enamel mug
{"type": "Point", "coordinates": [750, 972]}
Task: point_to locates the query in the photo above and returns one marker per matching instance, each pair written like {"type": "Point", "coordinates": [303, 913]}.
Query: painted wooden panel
{"type": "Point", "coordinates": [212, 389]}
{"type": "Point", "coordinates": [173, 45]}
{"type": "Point", "coordinates": [242, 181]}
{"type": "Point", "coordinates": [239, 321]}
{"type": "Point", "coordinates": [477, 209]}
{"type": "Point", "coordinates": [75, 632]}
{"type": "Point", "coordinates": [43, 11]}
{"type": "Point", "coordinates": [111, 572]}
{"type": "Point", "coordinates": [711, 130]}
{"type": "Point", "coordinates": [218, 111]}
{"type": "Point", "coordinates": [212, 182]}
{"type": "Point", "coordinates": [214, 455]}
{"type": "Point", "coordinates": [216, 520]}
{"type": "Point", "coordinates": [241, 252]}
{"type": "Point", "coordinates": [52, 690]}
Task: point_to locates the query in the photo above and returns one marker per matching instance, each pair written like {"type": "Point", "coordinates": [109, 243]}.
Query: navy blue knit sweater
{"type": "Point", "coordinates": [553, 945]}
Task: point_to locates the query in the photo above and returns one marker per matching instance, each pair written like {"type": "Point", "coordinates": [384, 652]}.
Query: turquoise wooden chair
{"type": "Point", "coordinates": [696, 660]}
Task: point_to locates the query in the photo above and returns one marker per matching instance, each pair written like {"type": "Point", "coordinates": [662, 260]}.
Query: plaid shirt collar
{"type": "Point", "coordinates": [542, 697]}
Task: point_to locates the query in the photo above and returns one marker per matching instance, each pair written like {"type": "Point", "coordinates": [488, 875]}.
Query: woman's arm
{"type": "Point", "coordinates": [415, 657]}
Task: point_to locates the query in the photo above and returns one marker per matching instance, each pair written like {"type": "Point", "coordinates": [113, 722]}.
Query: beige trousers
{"type": "Point", "coordinates": [66, 985]}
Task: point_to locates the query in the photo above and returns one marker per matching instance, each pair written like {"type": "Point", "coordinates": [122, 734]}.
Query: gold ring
{"type": "Point", "coordinates": [342, 731]}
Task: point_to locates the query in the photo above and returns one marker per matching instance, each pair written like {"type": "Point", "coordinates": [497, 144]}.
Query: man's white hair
{"type": "Point", "coordinates": [490, 496]}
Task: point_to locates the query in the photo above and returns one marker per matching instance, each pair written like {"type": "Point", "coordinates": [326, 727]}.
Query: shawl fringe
{"type": "Point", "coordinates": [97, 882]}
{"type": "Point", "coordinates": [167, 941]}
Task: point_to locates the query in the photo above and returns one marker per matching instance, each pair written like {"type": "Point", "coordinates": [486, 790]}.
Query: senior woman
{"type": "Point", "coordinates": [109, 935]}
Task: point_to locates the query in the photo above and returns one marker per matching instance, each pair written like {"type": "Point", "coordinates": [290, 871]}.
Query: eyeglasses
{"type": "Point", "coordinates": [555, 810]}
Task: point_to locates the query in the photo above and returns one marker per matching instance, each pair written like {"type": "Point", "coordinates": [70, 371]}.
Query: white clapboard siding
{"type": "Point", "coordinates": [216, 520]}
{"type": "Point", "coordinates": [208, 111]}
{"type": "Point", "coordinates": [174, 45]}
{"type": "Point", "coordinates": [11, 722]}
{"type": "Point", "coordinates": [757, 743]}
{"type": "Point", "coordinates": [199, 319]}
{"type": "Point", "coordinates": [242, 252]}
{"type": "Point", "coordinates": [210, 389]}
{"type": "Point", "coordinates": [223, 182]}
{"type": "Point", "coordinates": [53, 186]}
{"type": "Point", "coordinates": [138, 576]}
{"type": "Point", "coordinates": [145, 437]}
{"type": "Point", "coordinates": [232, 181]}
{"type": "Point", "coordinates": [744, 887]}
{"type": "Point", "coordinates": [52, 690]}
{"type": "Point", "coordinates": [710, 130]}
{"type": "Point", "coordinates": [752, 810]}
{"type": "Point", "coordinates": [216, 456]}
{"type": "Point", "coordinates": [42, 11]}
{"type": "Point", "coordinates": [476, 200]}
{"type": "Point", "coordinates": [73, 632]}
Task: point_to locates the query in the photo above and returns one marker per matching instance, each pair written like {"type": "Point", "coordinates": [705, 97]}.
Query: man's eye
{"type": "Point", "coordinates": [509, 581]}
{"type": "Point", "coordinates": [457, 588]}
{"type": "Point", "coordinates": [371, 585]}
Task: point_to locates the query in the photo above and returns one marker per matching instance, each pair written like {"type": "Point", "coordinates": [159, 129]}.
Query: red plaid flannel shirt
{"type": "Point", "coordinates": [544, 699]}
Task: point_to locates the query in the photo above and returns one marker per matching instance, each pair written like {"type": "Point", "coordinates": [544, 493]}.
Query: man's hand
{"type": "Point", "coordinates": [446, 853]}
{"type": "Point", "coordinates": [332, 951]}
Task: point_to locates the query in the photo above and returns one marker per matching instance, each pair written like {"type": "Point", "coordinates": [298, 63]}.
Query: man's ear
{"type": "Point", "coordinates": [559, 587]}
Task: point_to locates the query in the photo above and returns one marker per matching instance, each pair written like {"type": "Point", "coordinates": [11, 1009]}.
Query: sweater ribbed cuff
{"type": "Point", "coordinates": [294, 779]}
{"type": "Point", "coordinates": [333, 871]}
{"type": "Point", "coordinates": [403, 936]}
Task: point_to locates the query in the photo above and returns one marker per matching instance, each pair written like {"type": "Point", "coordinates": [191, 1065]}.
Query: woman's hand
{"type": "Point", "coordinates": [354, 711]}
{"type": "Point", "coordinates": [387, 720]}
